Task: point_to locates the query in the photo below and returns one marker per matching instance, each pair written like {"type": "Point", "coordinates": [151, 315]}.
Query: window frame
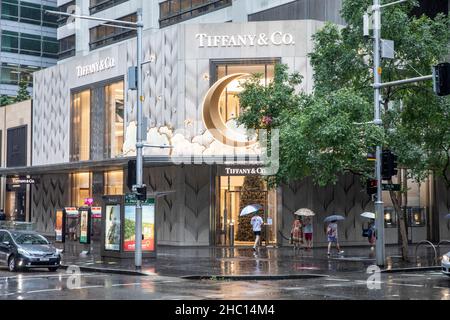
{"type": "Point", "coordinates": [191, 12]}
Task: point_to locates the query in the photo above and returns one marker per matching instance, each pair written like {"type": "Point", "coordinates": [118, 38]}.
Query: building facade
{"type": "Point", "coordinates": [84, 129]}
{"type": "Point", "coordinates": [15, 150]}
{"type": "Point", "coordinates": [160, 14]}
{"type": "Point", "coordinates": [28, 42]}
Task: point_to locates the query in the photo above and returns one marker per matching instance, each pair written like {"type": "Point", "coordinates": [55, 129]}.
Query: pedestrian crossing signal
{"type": "Point", "coordinates": [372, 185]}
{"type": "Point", "coordinates": [441, 79]}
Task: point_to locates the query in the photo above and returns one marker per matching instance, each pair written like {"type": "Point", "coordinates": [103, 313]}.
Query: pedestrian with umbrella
{"type": "Point", "coordinates": [307, 227]}
{"type": "Point", "coordinates": [332, 232]}
{"type": "Point", "coordinates": [297, 232]}
{"type": "Point", "coordinates": [256, 221]}
{"type": "Point", "coordinates": [370, 231]}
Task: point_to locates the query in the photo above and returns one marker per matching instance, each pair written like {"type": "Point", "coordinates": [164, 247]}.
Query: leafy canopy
{"type": "Point", "coordinates": [325, 133]}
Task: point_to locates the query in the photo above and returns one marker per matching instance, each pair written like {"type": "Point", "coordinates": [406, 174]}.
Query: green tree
{"type": "Point", "coordinates": [324, 135]}
{"type": "Point", "coordinates": [5, 100]}
{"type": "Point", "coordinates": [22, 93]}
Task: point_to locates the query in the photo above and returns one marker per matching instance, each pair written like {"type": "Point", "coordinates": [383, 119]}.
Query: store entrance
{"type": "Point", "coordinates": [237, 192]}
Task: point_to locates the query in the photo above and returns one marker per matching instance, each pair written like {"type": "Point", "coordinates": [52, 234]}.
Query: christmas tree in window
{"type": "Point", "coordinates": [252, 192]}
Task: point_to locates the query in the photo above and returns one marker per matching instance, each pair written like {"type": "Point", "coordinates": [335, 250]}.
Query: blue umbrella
{"type": "Point", "coordinates": [447, 216]}
{"type": "Point", "coordinates": [334, 218]}
{"type": "Point", "coordinates": [250, 209]}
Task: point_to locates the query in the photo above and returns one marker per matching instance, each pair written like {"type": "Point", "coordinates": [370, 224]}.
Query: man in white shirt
{"type": "Point", "coordinates": [256, 223]}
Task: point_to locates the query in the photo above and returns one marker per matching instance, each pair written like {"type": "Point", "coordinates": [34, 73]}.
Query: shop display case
{"type": "Point", "coordinates": [416, 216]}
{"type": "Point", "coordinates": [390, 218]}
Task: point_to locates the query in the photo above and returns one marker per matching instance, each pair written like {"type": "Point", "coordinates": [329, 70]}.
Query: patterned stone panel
{"type": "Point", "coordinates": [183, 211]}
{"type": "Point", "coordinates": [160, 78]}
{"type": "Point", "coordinates": [51, 110]}
{"type": "Point", "coordinates": [347, 198]}
{"type": "Point", "coordinates": [50, 194]}
{"type": "Point", "coordinates": [197, 205]}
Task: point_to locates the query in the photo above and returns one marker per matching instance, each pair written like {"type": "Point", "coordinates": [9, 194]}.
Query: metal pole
{"type": "Point", "coordinates": [139, 145]}
{"type": "Point", "coordinates": [379, 206]}
{"type": "Point", "coordinates": [402, 82]}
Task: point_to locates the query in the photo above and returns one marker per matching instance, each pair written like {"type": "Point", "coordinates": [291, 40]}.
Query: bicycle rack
{"type": "Point", "coordinates": [439, 245]}
{"type": "Point", "coordinates": [432, 245]}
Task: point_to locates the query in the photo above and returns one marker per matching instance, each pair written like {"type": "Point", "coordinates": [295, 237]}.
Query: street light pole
{"type": "Point", "coordinates": [139, 144]}
{"type": "Point", "coordinates": [138, 26]}
{"type": "Point", "coordinates": [379, 205]}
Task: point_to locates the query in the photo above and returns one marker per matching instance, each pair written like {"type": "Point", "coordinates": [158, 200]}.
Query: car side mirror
{"type": "Point", "coordinates": [6, 243]}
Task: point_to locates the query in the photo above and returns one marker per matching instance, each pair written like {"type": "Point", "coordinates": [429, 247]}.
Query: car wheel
{"type": "Point", "coordinates": [12, 264]}
{"type": "Point", "coordinates": [52, 269]}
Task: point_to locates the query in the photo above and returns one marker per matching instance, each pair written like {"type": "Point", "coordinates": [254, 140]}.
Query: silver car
{"type": "Point", "coordinates": [27, 249]}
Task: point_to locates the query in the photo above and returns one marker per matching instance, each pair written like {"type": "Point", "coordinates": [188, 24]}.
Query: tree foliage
{"type": "Point", "coordinates": [325, 133]}
{"type": "Point", "coordinates": [22, 93]}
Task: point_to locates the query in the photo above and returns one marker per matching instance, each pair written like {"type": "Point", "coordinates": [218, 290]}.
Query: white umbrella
{"type": "Point", "coordinates": [250, 209]}
{"type": "Point", "coordinates": [368, 215]}
{"type": "Point", "coordinates": [334, 218]}
{"type": "Point", "coordinates": [304, 212]}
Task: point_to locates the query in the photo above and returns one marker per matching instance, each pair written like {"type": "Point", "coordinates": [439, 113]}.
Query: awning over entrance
{"type": "Point", "coordinates": [120, 163]}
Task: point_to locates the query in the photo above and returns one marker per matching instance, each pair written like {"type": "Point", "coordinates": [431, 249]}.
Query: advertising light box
{"type": "Point", "coordinates": [112, 228]}
{"type": "Point", "coordinates": [118, 228]}
{"type": "Point", "coordinates": [85, 225]}
{"type": "Point", "coordinates": [60, 226]}
{"type": "Point", "coordinates": [148, 227]}
{"type": "Point", "coordinates": [96, 212]}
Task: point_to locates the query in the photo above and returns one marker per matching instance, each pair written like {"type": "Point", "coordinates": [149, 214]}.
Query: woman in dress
{"type": "Point", "coordinates": [297, 233]}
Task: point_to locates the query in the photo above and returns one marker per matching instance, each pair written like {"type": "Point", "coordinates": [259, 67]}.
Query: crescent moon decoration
{"type": "Point", "coordinates": [213, 119]}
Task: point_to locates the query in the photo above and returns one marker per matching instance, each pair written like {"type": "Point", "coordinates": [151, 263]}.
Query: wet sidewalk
{"type": "Point", "coordinates": [243, 261]}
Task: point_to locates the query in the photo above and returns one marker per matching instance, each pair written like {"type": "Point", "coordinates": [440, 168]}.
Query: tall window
{"type": "Point", "coordinates": [229, 102]}
{"type": "Point", "coordinates": [28, 12]}
{"type": "Point", "coordinates": [175, 11]}
{"type": "Point", "coordinates": [68, 7]}
{"type": "Point", "coordinates": [67, 47]}
{"type": "Point", "coordinates": [81, 188]}
{"type": "Point", "coordinates": [30, 44]}
{"type": "Point", "coordinates": [16, 149]}
{"type": "Point", "coordinates": [104, 35]}
{"type": "Point", "coordinates": [99, 5]}
{"type": "Point", "coordinates": [13, 73]}
{"type": "Point", "coordinates": [114, 124]}
{"type": "Point", "coordinates": [80, 130]}
{"type": "Point", "coordinates": [114, 183]}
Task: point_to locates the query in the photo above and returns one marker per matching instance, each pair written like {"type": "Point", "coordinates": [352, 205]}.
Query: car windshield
{"type": "Point", "coordinates": [29, 238]}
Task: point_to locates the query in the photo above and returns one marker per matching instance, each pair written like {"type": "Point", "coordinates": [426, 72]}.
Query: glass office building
{"type": "Point", "coordinates": [28, 42]}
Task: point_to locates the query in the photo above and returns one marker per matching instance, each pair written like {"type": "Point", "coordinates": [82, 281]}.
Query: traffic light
{"type": "Point", "coordinates": [389, 165]}
{"type": "Point", "coordinates": [441, 79]}
{"type": "Point", "coordinates": [131, 175]}
{"type": "Point", "coordinates": [371, 186]}
{"type": "Point", "coordinates": [141, 193]}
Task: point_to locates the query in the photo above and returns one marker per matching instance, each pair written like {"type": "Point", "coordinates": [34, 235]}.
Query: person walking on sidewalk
{"type": "Point", "coordinates": [308, 231]}
{"type": "Point", "coordinates": [296, 233]}
{"type": "Point", "coordinates": [332, 235]}
{"type": "Point", "coordinates": [256, 223]}
{"type": "Point", "coordinates": [371, 234]}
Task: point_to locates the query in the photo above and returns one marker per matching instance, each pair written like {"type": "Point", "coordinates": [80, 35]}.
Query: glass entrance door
{"type": "Point", "coordinates": [237, 192]}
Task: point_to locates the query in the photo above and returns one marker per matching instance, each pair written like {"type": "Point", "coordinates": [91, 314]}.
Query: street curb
{"type": "Point", "coordinates": [106, 270]}
{"type": "Point", "coordinates": [253, 277]}
{"type": "Point", "coordinates": [413, 269]}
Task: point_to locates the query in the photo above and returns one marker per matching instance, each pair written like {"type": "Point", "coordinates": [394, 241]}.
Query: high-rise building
{"type": "Point", "coordinates": [85, 36]}
{"type": "Point", "coordinates": [28, 41]}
